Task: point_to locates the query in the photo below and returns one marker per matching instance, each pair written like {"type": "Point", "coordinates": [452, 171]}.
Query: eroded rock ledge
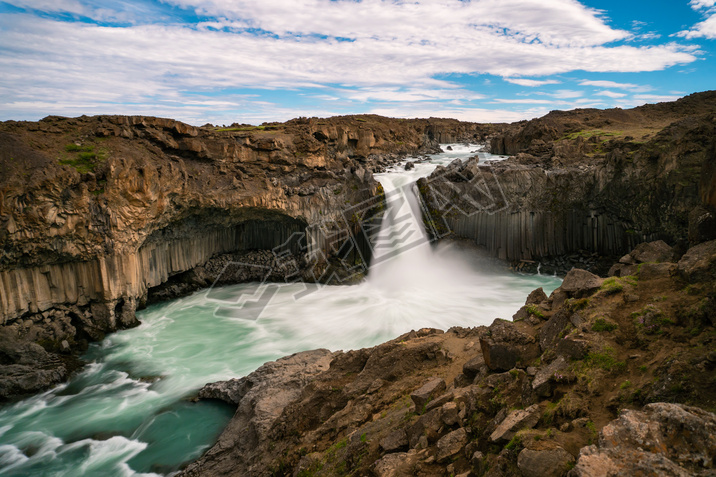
{"type": "Point", "coordinates": [602, 377]}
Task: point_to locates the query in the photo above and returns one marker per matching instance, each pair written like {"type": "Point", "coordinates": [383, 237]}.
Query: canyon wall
{"type": "Point", "coordinates": [586, 183]}
{"type": "Point", "coordinates": [100, 215]}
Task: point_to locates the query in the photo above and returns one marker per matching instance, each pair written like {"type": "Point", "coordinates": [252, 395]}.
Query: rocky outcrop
{"type": "Point", "coordinates": [663, 439]}
{"type": "Point", "coordinates": [427, 403]}
{"type": "Point", "coordinates": [584, 184]}
{"type": "Point", "coordinates": [101, 215]}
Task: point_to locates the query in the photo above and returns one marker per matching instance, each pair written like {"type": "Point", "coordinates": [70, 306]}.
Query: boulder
{"type": "Point", "coordinates": [474, 366]}
{"type": "Point", "coordinates": [426, 426]}
{"type": "Point", "coordinates": [516, 421]}
{"type": "Point", "coordinates": [395, 441]}
{"type": "Point", "coordinates": [699, 263]}
{"type": "Point", "coordinates": [622, 270]}
{"type": "Point", "coordinates": [426, 392]}
{"type": "Point", "coordinates": [652, 271]}
{"type": "Point", "coordinates": [573, 347]}
{"type": "Point", "coordinates": [505, 347]}
{"type": "Point", "coordinates": [544, 463]}
{"type": "Point", "coordinates": [658, 251]}
{"type": "Point", "coordinates": [580, 283]}
{"type": "Point", "coordinates": [395, 465]}
{"type": "Point", "coordinates": [662, 439]}
{"type": "Point", "coordinates": [451, 444]}
{"type": "Point", "coordinates": [536, 297]}
{"type": "Point", "coordinates": [542, 383]}
{"type": "Point", "coordinates": [554, 326]}
{"type": "Point", "coordinates": [702, 225]}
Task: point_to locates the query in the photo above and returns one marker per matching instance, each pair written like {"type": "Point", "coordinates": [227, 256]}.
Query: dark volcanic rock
{"type": "Point", "coordinates": [505, 346]}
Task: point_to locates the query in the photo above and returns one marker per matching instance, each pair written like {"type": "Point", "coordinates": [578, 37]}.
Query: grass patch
{"type": "Point", "coordinates": [535, 310]}
{"type": "Point", "coordinates": [605, 360]}
{"type": "Point", "coordinates": [611, 286]}
{"type": "Point", "coordinates": [84, 159]}
{"type": "Point", "coordinates": [77, 148]}
{"type": "Point", "coordinates": [577, 304]}
{"type": "Point", "coordinates": [603, 325]}
{"type": "Point", "coordinates": [650, 320]}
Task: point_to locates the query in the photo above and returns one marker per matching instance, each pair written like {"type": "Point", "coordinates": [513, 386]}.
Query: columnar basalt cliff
{"type": "Point", "coordinates": [587, 182]}
{"type": "Point", "coordinates": [97, 213]}
{"type": "Point", "coordinates": [601, 378]}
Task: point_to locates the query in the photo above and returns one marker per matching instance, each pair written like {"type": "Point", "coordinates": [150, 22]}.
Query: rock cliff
{"type": "Point", "coordinates": [600, 378]}
{"type": "Point", "coordinates": [586, 183]}
{"type": "Point", "coordinates": [99, 215]}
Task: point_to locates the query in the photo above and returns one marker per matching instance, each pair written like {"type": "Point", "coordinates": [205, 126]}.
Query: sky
{"type": "Point", "coordinates": [252, 61]}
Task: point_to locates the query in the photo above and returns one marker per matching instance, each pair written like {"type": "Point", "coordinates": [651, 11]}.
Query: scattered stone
{"type": "Point", "coordinates": [426, 392]}
{"type": "Point", "coordinates": [699, 263]}
{"type": "Point", "coordinates": [515, 421]}
{"type": "Point", "coordinates": [451, 444]}
{"type": "Point", "coordinates": [651, 271]}
{"type": "Point", "coordinates": [658, 251]}
{"type": "Point", "coordinates": [621, 270]}
{"type": "Point", "coordinates": [449, 414]}
{"type": "Point", "coordinates": [507, 346]}
{"type": "Point", "coordinates": [426, 426]}
{"type": "Point", "coordinates": [542, 383]}
{"type": "Point", "coordinates": [439, 401]}
{"type": "Point", "coordinates": [395, 441]}
{"type": "Point", "coordinates": [394, 465]}
{"type": "Point", "coordinates": [554, 326]}
{"type": "Point", "coordinates": [536, 297]}
{"type": "Point", "coordinates": [475, 366]}
{"type": "Point", "coordinates": [580, 283]}
{"type": "Point", "coordinates": [572, 347]}
{"type": "Point", "coordinates": [662, 439]}
{"type": "Point", "coordinates": [544, 463]}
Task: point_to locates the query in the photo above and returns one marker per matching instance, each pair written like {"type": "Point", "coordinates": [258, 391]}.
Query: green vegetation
{"type": "Point", "coordinates": [535, 310]}
{"type": "Point", "coordinates": [77, 148]}
{"type": "Point", "coordinates": [588, 133]}
{"type": "Point", "coordinates": [650, 320]}
{"type": "Point", "coordinates": [600, 324]}
{"type": "Point", "coordinates": [83, 158]}
{"type": "Point", "coordinates": [625, 385]}
{"type": "Point", "coordinates": [514, 443]}
{"type": "Point", "coordinates": [605, 360]}
{"type": "Point", "coordinates": [574, 304]}
{"type": "Point", "coordinates": [611, 286]}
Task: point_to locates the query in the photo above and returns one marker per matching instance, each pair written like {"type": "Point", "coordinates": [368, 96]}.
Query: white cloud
{"type": "Point", "coordinates": [610, 94]}
{"type": "Point", "coordinates": [397, 50]}
{"type": "Point", "coordinates": [702, 4]}
{"type": "Point", "coordinates": [524, 101]}
{"type": "Point", "coordinates": [612, 84]}
{"type": "Point", "coordinates": [530, 82]}
{"type": "Point", "coordinates": [705, 29]}
{"type": "Point", "coordinates": [567, 94]}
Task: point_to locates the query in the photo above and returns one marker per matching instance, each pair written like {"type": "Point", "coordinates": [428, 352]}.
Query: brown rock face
{"type": "Point", "coordinates": [663, 439]}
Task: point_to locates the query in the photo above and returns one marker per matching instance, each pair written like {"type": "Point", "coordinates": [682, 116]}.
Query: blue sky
{"type": "Point", "coordinates": [225, 61]}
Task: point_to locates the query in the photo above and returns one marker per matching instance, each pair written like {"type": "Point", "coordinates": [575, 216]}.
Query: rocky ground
{"type": "Point", "coordinates": [606, 376]}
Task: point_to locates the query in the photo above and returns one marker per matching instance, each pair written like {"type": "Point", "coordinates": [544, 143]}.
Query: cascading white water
{"type": "Point", "coordinates": [125, 413]}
